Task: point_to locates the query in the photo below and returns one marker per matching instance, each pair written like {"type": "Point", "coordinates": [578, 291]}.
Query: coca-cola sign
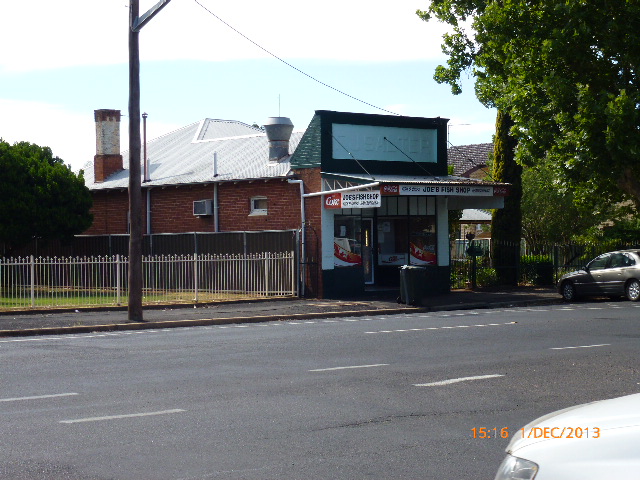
{"type": "Point", "coordinates": [333, 200]}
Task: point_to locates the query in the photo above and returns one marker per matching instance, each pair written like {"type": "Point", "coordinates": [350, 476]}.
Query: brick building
{"type": "Point", "coordinates": [368, 192]}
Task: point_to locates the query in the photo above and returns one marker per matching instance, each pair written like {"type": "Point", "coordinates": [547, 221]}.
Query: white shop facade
{"type": "Point", "coordinates": [385, 199]}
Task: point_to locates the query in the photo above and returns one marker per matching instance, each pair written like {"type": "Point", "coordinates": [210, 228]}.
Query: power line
{"type": "Point", "coordinates": [292, 66]}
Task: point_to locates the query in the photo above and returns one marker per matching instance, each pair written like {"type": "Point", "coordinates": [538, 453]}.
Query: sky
{"type": "Point", "coordinates": [62, 60]}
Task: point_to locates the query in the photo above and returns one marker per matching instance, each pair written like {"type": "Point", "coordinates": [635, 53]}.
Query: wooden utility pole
{"type": "Point", "coordinates": [135, 190]}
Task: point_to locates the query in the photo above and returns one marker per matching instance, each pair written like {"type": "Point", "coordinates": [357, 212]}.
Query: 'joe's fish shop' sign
{"type": "Point", "coordinates": [457, 190]}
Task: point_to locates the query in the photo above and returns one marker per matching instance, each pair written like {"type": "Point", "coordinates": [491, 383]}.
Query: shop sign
{"type": "Point", "coordinates": [386, 144]}
{"type": "Point", "coordinates": [368, 199]}
{"type": "Point", "coordinates": [453, 190]}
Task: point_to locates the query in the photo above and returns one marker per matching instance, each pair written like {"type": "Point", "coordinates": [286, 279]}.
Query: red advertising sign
{"type": "Point", "coordinates": [333, 200]}
{"type": "Point", "coordinates": [501, 191]}
{"type": "Point", "coordinates": [390, 190]}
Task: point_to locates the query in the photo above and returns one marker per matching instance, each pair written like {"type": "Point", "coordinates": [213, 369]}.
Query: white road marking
{"type": "Point", "coordinates": [39, 339]}
{"type": "Point", "coordinates": [456, 380]}
{"type": "Point", "coordinates": [581, 346]}
{"type": "Point", "coordinates": [38, 397]}
{"type": "Point", "coordinates": [346, 368]}
{"type": "Point", "coordinates": [116, 417]}
{"type": "Point", "coordinates": [443, 328]}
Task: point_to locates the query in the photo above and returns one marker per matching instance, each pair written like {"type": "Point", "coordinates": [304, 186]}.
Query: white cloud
{"type": "Point", "coordinates": [70, 135]}
{"type": "Point", "coordinates": [77, 32]}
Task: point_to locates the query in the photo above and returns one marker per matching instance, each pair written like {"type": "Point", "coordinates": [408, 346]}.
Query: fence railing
{"type": "Point", "coordinates": [31, 282]}
{"type": "Point", "coordinates": [531, 265]}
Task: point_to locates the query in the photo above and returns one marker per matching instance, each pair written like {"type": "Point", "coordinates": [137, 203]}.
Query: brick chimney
{"type": "Point", "coordinates": [108, 159]}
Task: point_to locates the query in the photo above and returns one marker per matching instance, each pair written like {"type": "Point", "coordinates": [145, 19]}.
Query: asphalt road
{"type": "Point", "coordinates": [354, 398]}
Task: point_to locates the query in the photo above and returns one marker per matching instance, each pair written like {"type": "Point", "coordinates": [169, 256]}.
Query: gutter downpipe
{"type": "Point", "coordinates": [216, 218]}
{"type": "Point", "coordinates": [216, 226]}
{"type": "Point", "coordinates": [303, 271]}
{"type": "Point", "coordinates": [148, 211]}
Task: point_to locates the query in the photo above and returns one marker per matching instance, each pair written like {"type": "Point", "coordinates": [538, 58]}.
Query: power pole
{"type": "Point", "coordinates": [135, 190]}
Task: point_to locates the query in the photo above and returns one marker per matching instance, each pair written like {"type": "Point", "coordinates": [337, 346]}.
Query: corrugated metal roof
{"type": "Point", "coordinates": [186, 155]}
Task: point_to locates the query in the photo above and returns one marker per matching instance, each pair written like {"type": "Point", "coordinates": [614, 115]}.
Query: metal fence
{"type": "Point", "coordinates": [541, 264]}
{"type": "Point", "coordinates": [31, 282]}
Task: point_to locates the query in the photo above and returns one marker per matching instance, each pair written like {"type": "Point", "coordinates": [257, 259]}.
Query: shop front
{"type": "Point", "coordinates": [386, 198]}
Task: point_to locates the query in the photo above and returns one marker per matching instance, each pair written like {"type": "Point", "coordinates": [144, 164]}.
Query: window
{"type": "Point", "coordinates": [258, 206]}
{"type": "Point", "coordinates": [599, 263]}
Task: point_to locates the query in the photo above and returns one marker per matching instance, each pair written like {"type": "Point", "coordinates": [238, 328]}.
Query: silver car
{"type": "Point", "coordinates": [612, 274]}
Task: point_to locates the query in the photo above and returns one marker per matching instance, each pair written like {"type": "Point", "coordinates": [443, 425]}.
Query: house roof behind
{"type": "Point", "coordinates": [186, 156]}
{"type": "Point", "coordinates": [467, 159]}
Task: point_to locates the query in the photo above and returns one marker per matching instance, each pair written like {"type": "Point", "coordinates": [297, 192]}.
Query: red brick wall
{"type": "Point", "coordinates": [172, 208]}
{"type": "Point", "coordinates": [110, 208]}
{"type": "Point", "coordinates": [283, 205]}
{"type": "Point", "coordinates": [172, 212]}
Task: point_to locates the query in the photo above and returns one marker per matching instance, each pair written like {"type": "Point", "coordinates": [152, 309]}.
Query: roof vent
{"type": "Point", "coordinates": [278, 131]}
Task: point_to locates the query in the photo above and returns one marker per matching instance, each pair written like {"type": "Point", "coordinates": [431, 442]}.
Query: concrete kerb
{"type": "Point", "coordinates": [153, 325]}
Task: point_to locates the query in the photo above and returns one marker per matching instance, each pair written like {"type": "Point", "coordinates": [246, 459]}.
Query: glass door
{"type": "Point", "coordinates": [367, 249]}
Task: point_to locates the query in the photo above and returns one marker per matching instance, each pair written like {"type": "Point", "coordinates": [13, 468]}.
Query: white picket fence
{"type": "Point", "coordinates": [54, 282]}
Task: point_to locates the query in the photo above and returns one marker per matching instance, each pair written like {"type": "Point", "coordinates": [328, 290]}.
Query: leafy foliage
{"type": "Point", "coordinates": [550, 213]}
{"type": "Point", "coordinates": [506, 222]}
{"type": "Point", "coordinates": [567, 72]}
{"type": "Point", "coordinates": [40, 197]}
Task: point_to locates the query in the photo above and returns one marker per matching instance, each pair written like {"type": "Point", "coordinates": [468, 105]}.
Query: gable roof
{"type": "Point", "coordinates": [466, 159]}
{"type": "Point", "coordinates": [186, 156]}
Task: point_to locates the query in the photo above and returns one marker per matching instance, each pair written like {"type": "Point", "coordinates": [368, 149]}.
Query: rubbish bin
{"type": "Point", "coordinates": [412, 281]}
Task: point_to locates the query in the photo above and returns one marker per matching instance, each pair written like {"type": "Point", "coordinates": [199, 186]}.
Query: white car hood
{"type": "Point", "coordinates": [613, 443]}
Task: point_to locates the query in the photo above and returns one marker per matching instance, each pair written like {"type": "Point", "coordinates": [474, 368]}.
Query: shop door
{"type": "Point", "coordinates": [367, 249]}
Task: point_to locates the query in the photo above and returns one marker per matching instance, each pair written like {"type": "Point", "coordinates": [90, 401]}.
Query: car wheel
{"type": "Point", "coordinates": [633, 290]}
{"type": "Point", "coordinates": [568, 291]}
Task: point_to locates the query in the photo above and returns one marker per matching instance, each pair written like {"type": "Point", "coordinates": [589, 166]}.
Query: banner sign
{"type": "Point", "coordinates": [455, 190]}
{"type": "Point", "coordinates": [368, 199]}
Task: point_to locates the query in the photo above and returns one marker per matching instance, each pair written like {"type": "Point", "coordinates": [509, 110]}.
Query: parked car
{"type": "Point", "coordinates": [597, 440]}
{"type": "Point", "coordinates": [612, 274]}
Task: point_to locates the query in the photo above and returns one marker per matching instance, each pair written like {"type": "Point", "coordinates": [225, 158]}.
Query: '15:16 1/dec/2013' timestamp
{"type": "Point", "coordinates": [536, 432]}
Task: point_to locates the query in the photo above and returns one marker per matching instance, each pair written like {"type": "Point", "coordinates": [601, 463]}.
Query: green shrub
{"type": "Point", "coordinates": [536, 270]}
{"type": "Point", "coordinates": [486, 277]}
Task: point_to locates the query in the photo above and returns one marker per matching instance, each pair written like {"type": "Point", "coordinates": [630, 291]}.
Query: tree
{"type": "Point", "coordinates": [567, 72]}
{"type": "Point", "coordinates": [506, 222]}
{"type": "Point", "coordinates": [40, 197]}
{"type": "Point", "coordinates": [550, 214]}
{"type": "Point", "coordinates": [467, 53]}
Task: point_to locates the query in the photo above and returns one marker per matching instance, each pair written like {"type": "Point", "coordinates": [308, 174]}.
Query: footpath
{"type": "Point", "coordinates": [83, 320]}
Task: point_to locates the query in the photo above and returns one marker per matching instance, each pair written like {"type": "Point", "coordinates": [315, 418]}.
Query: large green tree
{"type": "Point", "coordinates": [567, 73]}
{"type": "Point", "coordinates": [40, 196]}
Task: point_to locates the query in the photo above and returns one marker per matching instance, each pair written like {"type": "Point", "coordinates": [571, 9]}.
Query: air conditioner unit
{"type": "Point", "coordinates": [202, 208]}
